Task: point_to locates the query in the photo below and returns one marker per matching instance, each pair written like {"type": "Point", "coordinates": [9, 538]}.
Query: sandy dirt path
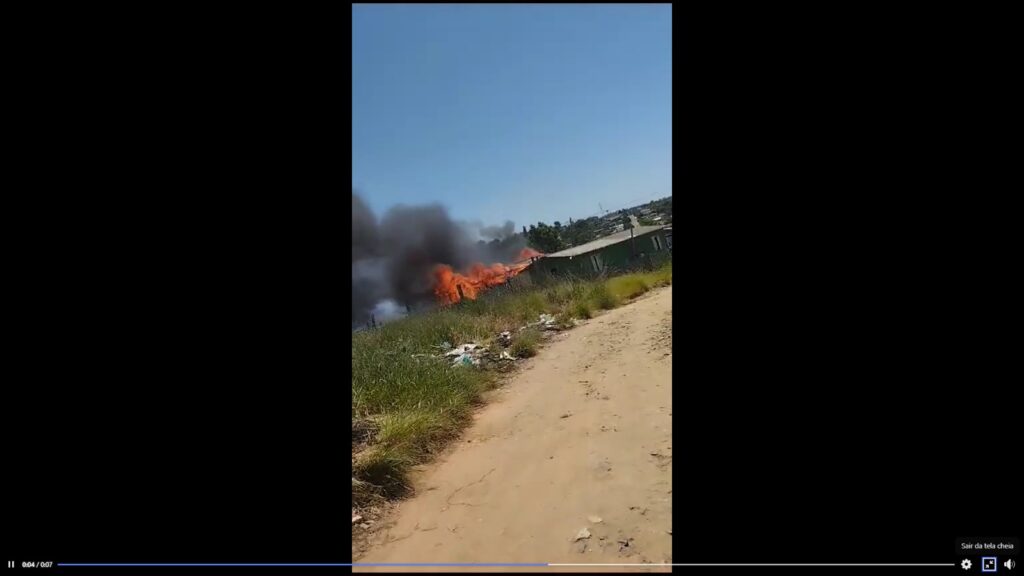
{"type": "Point", "coordinates": [583, 432]}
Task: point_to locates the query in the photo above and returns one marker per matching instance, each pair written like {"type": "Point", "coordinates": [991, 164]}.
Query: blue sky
{"type": "Point", "coordinates": [512, 112]}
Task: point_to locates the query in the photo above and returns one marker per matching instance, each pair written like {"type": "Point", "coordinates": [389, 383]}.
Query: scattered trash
{"type": "Point", "coordinates": [473, 354]}
{"type": "Point", "coordinates": [466, 354]}
{"type": "Point", "coordinates": [583, 534]}
{"type": "Point", "coordinates": [546, 322]}
{"type": "Point", "coordinates": [462, 349]}
{"type": "Point", "coordinates": [594, 519]}
{"type": "Point", "coordinates": [566, 415]}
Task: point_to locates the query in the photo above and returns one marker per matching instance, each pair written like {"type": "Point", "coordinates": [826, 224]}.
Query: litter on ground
{"type": "Point", "coordinates": [459, 350]}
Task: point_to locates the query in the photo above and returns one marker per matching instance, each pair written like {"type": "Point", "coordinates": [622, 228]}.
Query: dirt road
{"type": "Point", "coordinates": [579, 438]}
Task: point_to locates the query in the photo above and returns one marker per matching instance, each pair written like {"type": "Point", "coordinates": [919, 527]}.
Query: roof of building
{"type": "Point", "coordinates": [602, 242]}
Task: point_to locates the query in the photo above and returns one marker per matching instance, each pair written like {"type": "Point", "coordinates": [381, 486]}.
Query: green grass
{"type": "Point", "coordinates": [418, 404]}
{"type": "Point", "coordinates": [385, 469]}
{"type": "Point", "coordinates": [601, 296]}
{"type": "Point", "coordinates": [580, 309]}
{"type": "Point", "coordinates": [627, 287]}
{"type": "Point", "coordinates": [525, 343]}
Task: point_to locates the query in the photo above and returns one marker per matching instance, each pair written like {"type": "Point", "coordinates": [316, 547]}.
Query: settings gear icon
{"type": "Point", "coordinates": [965, 564]}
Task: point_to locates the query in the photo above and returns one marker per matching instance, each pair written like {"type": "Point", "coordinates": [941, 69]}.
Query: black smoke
{"type": "Point", "coordinates": [365, 239]}
{"type": "Point", "coordinates": [498, 232]}
{"type": "Point", "coordinates": [393, 258]}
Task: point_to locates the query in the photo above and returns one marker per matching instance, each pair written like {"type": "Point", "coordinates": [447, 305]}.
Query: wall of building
{"type": "Point", "coordinates": [616, 258]}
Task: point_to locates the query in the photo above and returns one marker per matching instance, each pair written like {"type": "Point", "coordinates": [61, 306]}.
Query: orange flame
{"type": "Point", "coordinates": [447, 282]}
{"type": "Point", "coordinates": [527, 253]}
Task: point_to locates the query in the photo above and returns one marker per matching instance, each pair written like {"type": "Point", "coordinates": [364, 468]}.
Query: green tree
{"type": "Point", "coordinates": [580, 231]}
{"type": "Point", "coordinates": [545, 238]}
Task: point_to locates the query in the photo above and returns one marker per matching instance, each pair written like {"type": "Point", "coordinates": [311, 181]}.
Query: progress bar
{"type": "Point", "coordinates": [495, 564]}
{"type": "Point", "coordinates": [763, 565]}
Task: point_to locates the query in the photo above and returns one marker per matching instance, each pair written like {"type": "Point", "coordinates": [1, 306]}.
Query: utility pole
{"type": "Point", "coordinates": [627, 222]}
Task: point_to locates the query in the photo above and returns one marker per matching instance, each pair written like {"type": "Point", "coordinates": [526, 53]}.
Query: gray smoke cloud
{"type": "Point", "coordinates": [365, 239]}
{"type": "Point", "coordinates": [498, 232]}
{"type": "Point", "coordinates": [393, 258]}
{"type": "Point", "coordinates": [478, 231]}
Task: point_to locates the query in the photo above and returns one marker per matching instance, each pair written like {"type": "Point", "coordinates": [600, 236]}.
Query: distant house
{"type": "Point", "coordinates": [612, 253]}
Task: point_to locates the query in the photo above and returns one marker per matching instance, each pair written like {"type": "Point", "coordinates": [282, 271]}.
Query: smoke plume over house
{"type": "Point", "coordinates": [394, 257]}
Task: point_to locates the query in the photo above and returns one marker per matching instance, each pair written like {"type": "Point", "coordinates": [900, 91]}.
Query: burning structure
{"type": "Point", "coordinates": [451, 287]}
{"type": "Point", "coordinates": [402, 260]}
